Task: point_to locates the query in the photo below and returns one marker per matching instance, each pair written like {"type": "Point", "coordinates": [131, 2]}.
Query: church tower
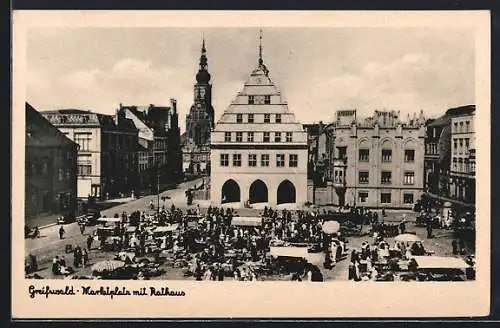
{"type": "Point", "coordinates": [200, 120]}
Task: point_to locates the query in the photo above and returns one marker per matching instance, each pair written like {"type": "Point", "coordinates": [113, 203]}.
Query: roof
{"type": "Point", "coordinates": [39, 131]}
{"type": "Point", "coordinates": [300, 252]}
{"type": "Point", "coordinates": [438, 262]}
{"type": "Point", "coordinates": [246, 221]}
{"type": "Point", "coordinates": [440, 121]}
{"type": "Point", "coordinates": [461, 110]}
{"type": "Point", "coordinates": [71, 116]}
{"type": "Point", "coordinates": [259, 85]}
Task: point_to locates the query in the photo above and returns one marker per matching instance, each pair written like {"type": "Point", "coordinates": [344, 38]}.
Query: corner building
{"type": "Point", "coordinates": [258, 149]}
{"type": "Point", "coordinates": [378, 162]}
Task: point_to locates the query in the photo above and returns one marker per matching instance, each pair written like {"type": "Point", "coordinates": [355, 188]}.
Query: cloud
{"type": "Point", "coordinates": [131, 65]}
{"type": "Point", "coordinates": [318, 70]}
{"type": "Point", "coordinates": [81, 79]}
{"type": "Point", "coordinates": [409, 83]}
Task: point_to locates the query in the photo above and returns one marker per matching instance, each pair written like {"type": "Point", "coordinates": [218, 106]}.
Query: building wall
{"type": "Point", "coordinates": [462, 173]}
{"type": "Point", "coordinates": [259, 109]}
{"type": "Point", "coordinates": [50, 168]}
{"type": "Point", "coordinates": [107, 155]}
{"type": "Point", "coordinates": [89, 154]}
{"type": "Point", "coordinates": [50, 180]}
{"type": "Point", "coordinates": [272, 176]}
{"type": "Point", "coordinates": [375, 140]}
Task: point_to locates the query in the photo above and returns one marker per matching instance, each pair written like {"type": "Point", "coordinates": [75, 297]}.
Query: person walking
{"type": "Point", "coordinates": [61, 232]}
{"type": "Point", "coordinates": [429, 230]}
{"type": "Point", "coordinates": [85, 255]}
{"type": "Point", "coordinates": [89, 242]}
{"type": "Point", "coordinates": [454, 246]}
{"type": "Point", "coordinates": [82, 228]}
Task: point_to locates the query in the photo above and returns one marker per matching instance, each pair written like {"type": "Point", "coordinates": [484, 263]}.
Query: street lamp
{"type": "Point", "coordinates": [158, 188]}
{"type": "Point", "coordinates": [320, 131]}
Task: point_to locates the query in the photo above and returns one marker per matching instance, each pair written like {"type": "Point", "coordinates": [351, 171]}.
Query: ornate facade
{"type": "Point", "coordinates": [258, 149]}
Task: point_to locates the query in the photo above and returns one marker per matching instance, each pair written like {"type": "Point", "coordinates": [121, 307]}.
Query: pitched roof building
{"type": "Point", "coordinates": [50, 172]}
{"type": "Point", "coordinates": [258, 149]}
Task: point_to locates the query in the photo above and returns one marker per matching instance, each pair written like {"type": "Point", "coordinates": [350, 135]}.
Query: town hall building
{"type": "Point", "coordinates": [258, 149]}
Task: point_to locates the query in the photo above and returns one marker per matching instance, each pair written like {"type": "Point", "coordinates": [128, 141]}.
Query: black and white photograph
{"type": "Point", "coordinates": [252, 155]}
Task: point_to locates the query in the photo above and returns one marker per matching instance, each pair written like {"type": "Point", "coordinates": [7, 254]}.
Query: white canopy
{"type": "Point", "coordinates": [252, 221]}
{"type": "Point", "coordinates": [104, 219]}
{"type": "Point", "coordinates": [439, 262]}
{"type": "Point", "coordinates": [166, 228]}
{"type": "Point", "coordinates": [289, 251]}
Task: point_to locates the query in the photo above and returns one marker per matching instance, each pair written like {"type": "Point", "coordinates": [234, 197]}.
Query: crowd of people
{"type": "Point", "coordinates": [209, 246]}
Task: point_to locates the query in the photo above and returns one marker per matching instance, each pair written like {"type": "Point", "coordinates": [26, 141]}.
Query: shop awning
{"type": "Point", "coordinates": [169, 228]}
{"type": "Point", "coordinates": [300, 252]}
{"type": "Point", "coordinates": [247, 221]}
{"type": "Point", "coordinates": [104, 219]}
{"type": "Point", "coordinates": [131, 229]}
{"type": "Point", "coordinates": [438, 262]}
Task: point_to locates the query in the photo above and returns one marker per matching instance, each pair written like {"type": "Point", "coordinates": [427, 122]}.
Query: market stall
{"type": "Point", "coordinates": [438, 268]}
{"type": "Point", "coordinates": [246, 221]}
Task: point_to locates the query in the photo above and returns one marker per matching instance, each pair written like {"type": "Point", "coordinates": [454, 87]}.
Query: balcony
{"type": "Point", "coordinates": [340, 161]}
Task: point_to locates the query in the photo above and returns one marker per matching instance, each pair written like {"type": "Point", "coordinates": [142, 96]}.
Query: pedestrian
{"type": "Point", "coordinates": [402, 226]}
{"type": "Point", "coordinates": [85, 257]}
{"type": "Point", "coordinates": [429, 230]}
{"type": "Point", "coordinates": [55, 265]}
{"type": "Point", "coordinates": [461, 246]}
{"type": "Point", "coordinates": [89, 242]}
{"type": "Point", "coordinates": [454, 245]}
{"type": "Point", "coordinates": [61, 232]}
{"type": "Point", "coordinates": [62, 262]}
{"type": "Point", "coordinates": [82, 228]}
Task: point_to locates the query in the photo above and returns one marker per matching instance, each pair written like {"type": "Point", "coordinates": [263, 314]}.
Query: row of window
{"type": "Point", "coordinates": [385, 197]}
{"type": "Point", "coordinates": [431, 148]}
{"type": "Point", "coordinates": [386, 177]}
{"type": "Point", "coordinates": [228, 137]}
{"type": "Point", "coordinates": [364, 155]}
{"type": "Point", "coordinates": [460, 128]}
{"type": "Point", "coordinates": [461, 145]}
{"type": "Point", "coordinates": [259, 100]}
{"type": "Point", "coordinates": [463, 165]}
{"type": "Point", "coordinates": [250, 118]}
{"type": "Point", "coordinates": [293, 160]}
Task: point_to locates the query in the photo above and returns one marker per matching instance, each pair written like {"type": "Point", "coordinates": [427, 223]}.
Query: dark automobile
{"type": "Point", "coordinates": [91, 216]}
{"type": "Point", "coordinates": [66, 218]}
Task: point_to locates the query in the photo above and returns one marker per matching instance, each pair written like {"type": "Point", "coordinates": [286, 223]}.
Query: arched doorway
{"type": "Point", "coordinates": [230, 192]}
{"type": "Point", "coordinates": [286, 192]}
{"type": "Point", "coordinates": [258, 192]}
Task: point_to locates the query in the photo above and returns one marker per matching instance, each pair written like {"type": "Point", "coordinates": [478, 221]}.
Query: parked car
{"type": "Point", "coordinates": [91, 216]}
{"type": "Point", "coordinates": [66, 218]}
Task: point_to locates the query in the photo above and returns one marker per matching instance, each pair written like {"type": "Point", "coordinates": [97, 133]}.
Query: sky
{"type": "Point", "coordinates": [319, 70]}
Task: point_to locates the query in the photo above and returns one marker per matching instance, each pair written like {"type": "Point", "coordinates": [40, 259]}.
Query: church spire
{"type": "Point", "coordinates": [203, 76]}
{"type": "Point", "coordinates": [260, 49]}
{"type": "Point", "coordinates": [261, 61]}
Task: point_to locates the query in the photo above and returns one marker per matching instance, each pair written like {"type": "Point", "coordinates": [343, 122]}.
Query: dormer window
{"type": "Point", "coordinates": [251, 100]}
{"type": "Point", "coordinates": [239, 118]}
{"type": "Point", "coordinates": [267, 100]}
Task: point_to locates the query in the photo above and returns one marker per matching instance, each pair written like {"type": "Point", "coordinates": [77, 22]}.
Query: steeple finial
{"type": "Point", "coordinates": [203, 76]}
{"type": "Point", "coordinates": [260, 47]}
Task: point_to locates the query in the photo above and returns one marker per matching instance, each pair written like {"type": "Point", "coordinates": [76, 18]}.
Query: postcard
{"type": "Point", "coordinates": [238, 164]}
